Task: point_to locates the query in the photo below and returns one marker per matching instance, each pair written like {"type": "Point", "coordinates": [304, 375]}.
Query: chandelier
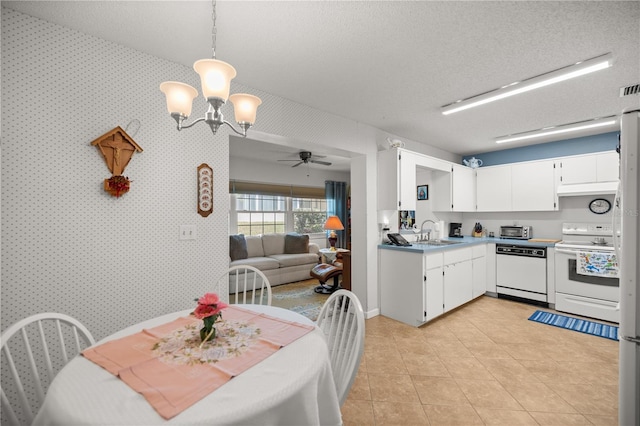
{"type": "Point", "coordinates": [215, 79]}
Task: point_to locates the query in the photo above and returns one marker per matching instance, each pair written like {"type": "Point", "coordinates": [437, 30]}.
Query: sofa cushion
{"type": "Point", "coordinates": [237, 247]}
{"type": "Point", "coordinates": [296, 243]}
{"type": "Point", "coordinates": [254, 246]}
{"type": "Point", "coordinates": [262, 263]}
{"type": "Point", "coordinates": [295, 259]}
{"type": "Point", "coordinates": [273, 244]}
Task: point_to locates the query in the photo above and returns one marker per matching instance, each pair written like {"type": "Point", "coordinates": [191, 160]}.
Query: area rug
{"type": "Point", "coordinates": [299, 297]}
{"type": "Point", "coordinates": [575, 324]}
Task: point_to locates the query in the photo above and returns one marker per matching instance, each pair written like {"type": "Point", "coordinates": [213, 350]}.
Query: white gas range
{"type": "Point", "coordinates": [587, 271]}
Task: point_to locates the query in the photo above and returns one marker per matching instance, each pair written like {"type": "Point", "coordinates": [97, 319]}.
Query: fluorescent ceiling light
{"type": "Point", "coordinates": [556, 130]}
{"type": "Point", "coordinates": [556, 76]}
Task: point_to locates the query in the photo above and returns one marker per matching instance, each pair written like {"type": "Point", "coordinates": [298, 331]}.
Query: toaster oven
{"type": "Point", "coordinates": [516, 232]}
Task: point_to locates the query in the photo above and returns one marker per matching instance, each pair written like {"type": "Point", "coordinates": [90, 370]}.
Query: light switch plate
{"type": "Point", "coordinates": [187, 232]}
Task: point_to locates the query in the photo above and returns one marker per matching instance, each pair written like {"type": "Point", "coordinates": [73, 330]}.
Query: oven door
{"type": "Point", "coordinates": [568, 281]}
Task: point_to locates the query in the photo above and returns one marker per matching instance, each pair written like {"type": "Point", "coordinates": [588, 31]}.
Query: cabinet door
{"type": "Point", "coordinates": [408, 195]}
{"type": "Point", "coordinates": [493, 188]}
{"type": "Point", "coordinates": [533, 186]}
{"type": "Point", "coordinates": [457, 284]}
{"type": "Point", "coordinates": [479, 266]}
{"type": "Point", "coordinates": [388, 178]}
{"type": "Point", "coordinates": [463, 191]}
{"type": "Point", "coordinates": [578, 169]}
{"type": "Point", "coordinates": [434, 296]}
{"type": "Point", "coordinates": [607, 166]}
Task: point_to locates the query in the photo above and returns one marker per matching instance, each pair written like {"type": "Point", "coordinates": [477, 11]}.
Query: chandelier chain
{"type": "Point", "coordinates": [214, 30]}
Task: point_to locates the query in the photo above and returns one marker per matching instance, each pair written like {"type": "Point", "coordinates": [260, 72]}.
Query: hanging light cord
{"type": "Point", "coordinates": [214, 30]}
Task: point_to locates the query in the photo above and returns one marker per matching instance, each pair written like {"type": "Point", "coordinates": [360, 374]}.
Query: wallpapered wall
{"type": "Point", "coordinates": [67, 245]}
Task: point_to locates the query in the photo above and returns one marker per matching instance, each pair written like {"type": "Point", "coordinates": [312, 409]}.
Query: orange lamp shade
{"type": "Point", "coordinates": [333, 223]}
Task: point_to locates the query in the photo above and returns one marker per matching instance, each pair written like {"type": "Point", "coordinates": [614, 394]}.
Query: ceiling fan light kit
{"type": "Point", "coordinates": [215, 80]}
{"type": "Point", "coordinates": [571, 71]}
{"type": "Point", "coordinates": [611, 121]}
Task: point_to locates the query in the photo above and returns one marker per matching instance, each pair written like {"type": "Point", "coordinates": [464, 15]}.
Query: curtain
{"type": "Point", "coordinates": [336, 195]}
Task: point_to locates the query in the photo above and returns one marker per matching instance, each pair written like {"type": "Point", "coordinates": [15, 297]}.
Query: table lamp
{"type": "Point", "coordinates": [333, 224]}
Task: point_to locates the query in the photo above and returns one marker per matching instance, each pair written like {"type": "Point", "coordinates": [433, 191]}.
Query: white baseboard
{"type": "Point", "coordinates": [372, 313]}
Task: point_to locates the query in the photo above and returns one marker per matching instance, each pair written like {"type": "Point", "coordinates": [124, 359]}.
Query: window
{"type": "Point", "coordinates": [261, 214]}
{"type": "Point", "coordinates": [309, 215]}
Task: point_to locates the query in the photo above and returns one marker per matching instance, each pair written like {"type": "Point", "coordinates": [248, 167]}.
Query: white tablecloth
{"type": "Point", "coordinates": [294, 386]}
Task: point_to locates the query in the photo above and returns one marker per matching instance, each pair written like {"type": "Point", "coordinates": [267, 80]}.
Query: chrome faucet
{"type": "Point", "coordinates": [428, 233]}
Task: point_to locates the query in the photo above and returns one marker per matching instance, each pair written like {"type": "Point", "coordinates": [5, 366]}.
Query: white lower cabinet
{"type": "Point", "coordinates": [479, 267]}
{"type": "Point", "coordinates": [457, 284]}
{"type": "Point", "coordinates": [416, 287]}
{"type": "Point", "coordinates": [433, 284]}
{"type": "Point", "coordinates": [457, 277]}
{"type": "Point", "coordinates": [402, 286]}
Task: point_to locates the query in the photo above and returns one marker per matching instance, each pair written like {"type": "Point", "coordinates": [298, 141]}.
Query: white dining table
{"type": "Point", "coordinates": [293, 386]}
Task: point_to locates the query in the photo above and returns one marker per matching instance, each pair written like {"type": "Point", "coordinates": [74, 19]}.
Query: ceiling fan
{"type": "Point", "coordinates": [307, 157]}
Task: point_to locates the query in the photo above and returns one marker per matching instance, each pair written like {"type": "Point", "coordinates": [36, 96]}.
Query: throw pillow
{"type": "Point", "coordinates": [296, 243]}
{"type": "Point", "coordinates": [237, 247]}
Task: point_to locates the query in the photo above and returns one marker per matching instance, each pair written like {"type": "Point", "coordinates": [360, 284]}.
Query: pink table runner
{"type": "Point", "coordinates": [166, 365]}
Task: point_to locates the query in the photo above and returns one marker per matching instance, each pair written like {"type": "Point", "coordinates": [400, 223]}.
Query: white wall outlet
{"type": "Point", "coordinates": [187, 232]}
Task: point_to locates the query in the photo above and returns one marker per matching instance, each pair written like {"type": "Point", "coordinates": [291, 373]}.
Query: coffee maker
{"type": "Point", "coordinates": [455, 230]}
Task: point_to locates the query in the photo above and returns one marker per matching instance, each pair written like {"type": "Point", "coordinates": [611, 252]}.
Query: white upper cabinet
{"type": "Point", "coordinates": [533, 186]}
{"type": "Point", "coordinates": [493, 188]}
{"type": "Point", "coordinates": [589, 168]}
{"type": "Point", "coordinates": [463, 189]}
{"type": "Point", "coordinates": [455, 191]}
{"type": "Point", "coordinates": [607, 166]}
{"type": "Point", "coordinates": [397, 177]}
{"type": "Point", "coordinates": [396, 180]}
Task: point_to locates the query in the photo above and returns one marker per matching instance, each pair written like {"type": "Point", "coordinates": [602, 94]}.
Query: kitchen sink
{"type": "Point", "coordinates": [439, 242]}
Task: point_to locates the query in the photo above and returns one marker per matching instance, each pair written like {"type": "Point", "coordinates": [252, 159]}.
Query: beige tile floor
{"type": "Point", "coordinates": [484, 363]}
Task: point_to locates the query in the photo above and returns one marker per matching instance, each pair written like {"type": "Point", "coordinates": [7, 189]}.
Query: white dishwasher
{"type": "Point", "coordinates": [521, 271]}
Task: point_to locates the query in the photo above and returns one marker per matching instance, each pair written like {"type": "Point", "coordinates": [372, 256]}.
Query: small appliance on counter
{"type": "Point", "coordinates": [516, 232]}
{"type": "Point", "coordinates": [455, 230]}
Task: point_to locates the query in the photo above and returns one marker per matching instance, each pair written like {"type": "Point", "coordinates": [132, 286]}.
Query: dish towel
{"type": "Point", "coordinates": [599, 264]}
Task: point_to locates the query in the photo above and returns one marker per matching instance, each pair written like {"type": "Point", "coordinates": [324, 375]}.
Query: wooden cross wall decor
{"type": "Point", "coordinates": [117, 148]}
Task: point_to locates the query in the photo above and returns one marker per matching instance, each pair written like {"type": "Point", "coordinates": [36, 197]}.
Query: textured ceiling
{"type": "Point", "coordinates": [392, 64]}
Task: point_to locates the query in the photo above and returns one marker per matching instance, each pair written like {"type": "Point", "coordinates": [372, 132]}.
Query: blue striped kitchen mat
{"type": "Point", "coordinates": [575, 324]}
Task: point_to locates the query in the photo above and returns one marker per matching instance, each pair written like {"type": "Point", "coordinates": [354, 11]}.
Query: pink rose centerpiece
{"type": "Point", "coordinates": [209, 309]}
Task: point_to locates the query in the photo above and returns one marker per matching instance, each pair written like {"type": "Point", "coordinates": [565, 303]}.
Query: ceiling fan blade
{"type": "Point", "coordinates": [319, 156]}
{"type": "Point", "coordinates": [321, 162]}
{"type": "Point", "coordinates": [288, 160]}
{"type": "Point", "coordinates": [296, 165]}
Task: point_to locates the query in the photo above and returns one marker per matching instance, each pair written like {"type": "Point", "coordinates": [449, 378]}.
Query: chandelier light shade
{"type": "Point", "coordinates": [245, 107]}
{"type": "Point", "coordinates": [215, 78]}
{"type": "Point", "coordinates": [572, 71]}
{"type": "Point", "coordinates": [333, 224]}
{"type": "Point", "coordinates": [215, 81]}
{"type": "Point", "coordinates": [179, 96]}
{"type": "Point", "coordinates": [610, 122]}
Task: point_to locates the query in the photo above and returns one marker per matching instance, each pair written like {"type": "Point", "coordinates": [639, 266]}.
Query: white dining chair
{"type": "Point", "coordinates": [48, 342]}
{"type": "Point", "coordinates": [342, 321]}
{"type": "Point", "coordinates": [247, 283]}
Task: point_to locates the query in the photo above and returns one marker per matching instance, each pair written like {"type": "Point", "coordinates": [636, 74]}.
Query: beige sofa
{"type": "Point", "coordinates": [283, 258]}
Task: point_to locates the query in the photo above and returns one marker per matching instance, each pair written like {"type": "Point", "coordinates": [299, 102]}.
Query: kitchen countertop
{"type": "Point", "coordinates": [419, 247]}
